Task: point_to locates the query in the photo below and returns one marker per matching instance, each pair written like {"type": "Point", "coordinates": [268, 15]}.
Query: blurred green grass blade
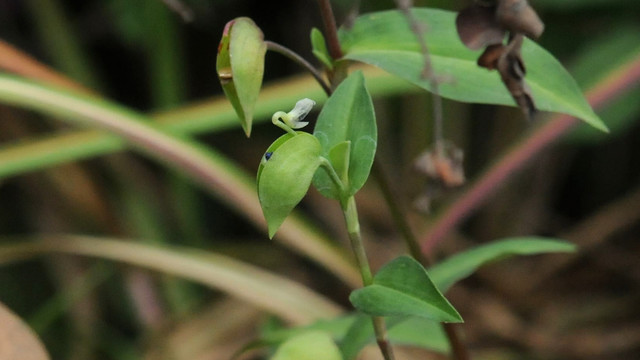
{"type": "Point", "coordinates": [603, 56]}
{"type": "Point", "coordinates": [211, 170]}
{"type": "Point", "coordinates": [384, 39]}
{"type": "Point", "coordinates": [164, 54]}
{"type": "Point", "coordinates": [143, 217]}
{"type": "Point", "coordinates": [62, 45]}
{"type": "Point", "coordinates": [271, 292]}
{"type": "Point", "coordinates": [66, 298]}
{"type": "Point", "coordinates": [461, 265]}
{"type": "Point", "coordinates": [208, 116]}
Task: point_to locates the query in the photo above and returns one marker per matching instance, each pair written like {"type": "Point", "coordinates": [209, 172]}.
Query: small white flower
{"type": "Point", "coordinates": [294, 118]}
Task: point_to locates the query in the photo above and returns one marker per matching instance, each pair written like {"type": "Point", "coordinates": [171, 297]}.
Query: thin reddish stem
{"type": "Point", "coordinates": [330, 28]}
{"type": "Point", "coordinates": [617, 82]}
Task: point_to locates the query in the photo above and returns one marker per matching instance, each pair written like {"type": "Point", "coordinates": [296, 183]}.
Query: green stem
{"type": "Point", "coordinates": [340, 69]}
{"type": "Point", "coordinates": [353, 228]}
{"type": "Point", "coordinates": [284, 127]}
{"type": "Point", "coordinates": [293, 56]}
{"type": "Point", "coordinates": [332, 174]}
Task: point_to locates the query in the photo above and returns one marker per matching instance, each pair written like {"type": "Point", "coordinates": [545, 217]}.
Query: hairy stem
{"type": "Point", "coordinates": [292, 55]}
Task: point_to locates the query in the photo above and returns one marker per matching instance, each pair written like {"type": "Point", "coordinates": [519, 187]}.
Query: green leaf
{"type": "Point", "coordinates": [240, 66]}
{"type": "Point", "coordinates": [403, 287]}
{"type": "Point", "coordinates": [319, 48]}
{"type": "Point", "coordinates": [285, 177]}
{"type": "Point", "coordinates": [312, 345]}
{"type": "Point", "coordinates": [347, 116]}
{"type": "Point", "coordinates": [337, 327]}
{"type": "Point", "coordinates": [416, 331]}
{"type": "Point", "coordinates": [464, 264]}
{"type": "Point", "coordinates": [354, 331]}
{"type": "Point", "coordinates": [359, 334]}
{"type": "Point", "coordinates": [384, 39]}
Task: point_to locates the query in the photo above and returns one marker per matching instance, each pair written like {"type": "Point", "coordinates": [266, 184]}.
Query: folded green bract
{"type": "Point", "coordinates": [240, 66]}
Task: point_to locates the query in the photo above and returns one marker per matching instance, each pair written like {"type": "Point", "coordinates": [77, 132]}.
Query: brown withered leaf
{"type": "Point", "coordinates": [518, 16]}
{"type": "Point", "coordinates": [17, 341]}
{"type": "Point", "coordinates": [512, 72]}
{"type": "Point", "coordinates": [490, 56]}
{"type": "Point", "coordinates": [485, 24]}
{"type": "Point", "coordinates": [477, 27]}
{"type": "Point", "coordinates": [443, 163]}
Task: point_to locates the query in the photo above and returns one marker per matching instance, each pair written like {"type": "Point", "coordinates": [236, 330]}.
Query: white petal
{"type": "Point", "coordinates": [299, 124]}
{"type": "Point", "coordinates": [302, 108]}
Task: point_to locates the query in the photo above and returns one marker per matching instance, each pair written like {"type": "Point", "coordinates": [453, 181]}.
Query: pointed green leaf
{"type": "Point", "coordinates": [348, 116]}
{"type": "Point", "coordinates": [385, 40]}
{"type": "Point", "coordinates": [240, 66]}
{"type": "Point", "coordinates": [319, 48]}
{"type": "Point", "coordinates": [403, 287]}
{"type": "Point", "coordinates": [464, 264]}
{"type": "Point", "coordinates": [311, 345]}
{"type": "Point", "coordinates": [285, 177]}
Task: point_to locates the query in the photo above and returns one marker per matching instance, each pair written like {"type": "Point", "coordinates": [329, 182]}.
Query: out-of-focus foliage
{"type": "Point", "coordinates": [142, 55]}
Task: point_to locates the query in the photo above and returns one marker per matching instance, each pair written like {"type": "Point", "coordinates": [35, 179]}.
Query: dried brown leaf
{"type": "Point", "coordinates": [477, 27]}
{"type": "Point", "coordinates": [518, 16]}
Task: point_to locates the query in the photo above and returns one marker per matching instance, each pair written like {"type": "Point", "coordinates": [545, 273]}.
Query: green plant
{"type": "Point", "coordinates": [338, 157]}
{"type": "Point", "coordinates": [418, 47]}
